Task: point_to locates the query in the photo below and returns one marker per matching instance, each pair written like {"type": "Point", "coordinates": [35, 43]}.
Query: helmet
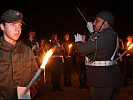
{"type": "Point", "coordinates": [107, 16]}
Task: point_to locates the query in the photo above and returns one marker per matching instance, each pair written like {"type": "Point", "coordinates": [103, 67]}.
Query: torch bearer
{"type": "Point", "coordinates": [42, 67]}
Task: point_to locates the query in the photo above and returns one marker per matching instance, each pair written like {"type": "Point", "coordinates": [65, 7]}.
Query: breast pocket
{"type": "Point", "coordinates": [4, 67]}
{"type": "Point", "coordinates": [27, 64]}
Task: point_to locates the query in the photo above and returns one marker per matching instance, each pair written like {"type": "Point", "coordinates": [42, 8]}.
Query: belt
{"type": "Point", "coordinates": [55, 56]}
{"type": "Point", "coordinates": [100, 63]}
{"type": "Point", "coordinates": [58, 56]}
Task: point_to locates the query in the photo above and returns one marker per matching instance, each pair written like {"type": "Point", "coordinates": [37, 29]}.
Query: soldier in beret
{"type": "Point", "coordinates": [17, 61]}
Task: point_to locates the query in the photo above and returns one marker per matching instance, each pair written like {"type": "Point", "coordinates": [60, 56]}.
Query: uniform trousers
{"type": "Point", "coordinates": [102, 93]}
{"type": "Point", "coordinates": [56, 70]}
{"type": "Point", "coordinates": [8, 94]}
{"type": "Point", "coordinates": [82, 74]}
{"type": "Point", "coordinates": [67, 71]}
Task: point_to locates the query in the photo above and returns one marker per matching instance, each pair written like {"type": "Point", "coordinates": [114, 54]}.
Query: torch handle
{"type": "Point", "coordinates": [44, 77]}
{"type": "Point", "coordinates": [31, 82]}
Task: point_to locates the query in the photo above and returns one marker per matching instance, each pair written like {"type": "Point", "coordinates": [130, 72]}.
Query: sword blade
{"type": "Point", "coordinates": [81, 14]}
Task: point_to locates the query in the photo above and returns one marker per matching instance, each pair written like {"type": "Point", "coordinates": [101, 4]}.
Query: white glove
{"type": "Point", "coordinates": [34, 47]}
{"type": "Point", "coordinates": [90, 27]}
{"type": "Point", "coordinates": [78, 37]}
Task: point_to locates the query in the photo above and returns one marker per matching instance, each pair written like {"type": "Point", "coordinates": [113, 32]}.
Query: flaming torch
{"type": "Point", "coordinates": [42, 67]}
{"type": "Point", "coordinates": [125, 52]}
{"type": "Point", "coordinates": [70, 45]}
{"type": "Point", "coordinates": [128, 43]}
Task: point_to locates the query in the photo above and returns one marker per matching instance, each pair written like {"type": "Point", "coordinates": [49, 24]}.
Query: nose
{"type": "Point", "coordinates": [18, 28]}
{"type": "Point", "coordinates": [94, 23]}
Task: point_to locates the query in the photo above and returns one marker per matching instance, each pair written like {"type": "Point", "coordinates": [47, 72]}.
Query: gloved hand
{"type": "Point", "coordinates": [34, 47]}
{"type": "Point", "coordinates": [90, 27]}
{"type": "Point", "coordinates": [78, 37]}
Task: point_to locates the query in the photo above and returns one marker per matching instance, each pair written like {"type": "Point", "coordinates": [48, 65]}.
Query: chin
{"type": "Point", "coordinates": [15, 39]}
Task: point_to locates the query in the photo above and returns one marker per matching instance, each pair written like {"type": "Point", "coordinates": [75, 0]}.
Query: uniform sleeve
{"type": "Point", "coordinates": [85, 48]}
{"type": "Point", "coordinates": [34, 63]}
{"type": "Point", "coordinates": [97, 42]}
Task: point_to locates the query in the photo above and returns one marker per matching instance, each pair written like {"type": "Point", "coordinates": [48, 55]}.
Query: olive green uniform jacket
{"type": "Point", "coordinates": [17, 68]}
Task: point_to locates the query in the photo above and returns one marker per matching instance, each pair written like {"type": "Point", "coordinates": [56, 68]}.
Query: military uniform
{"type": "Point", "coordinates": [128, 65]}
{"type": "Point", "coordinates": [35, 47]}
{"type": "Point", "coordinates": [55, 64]}
{"type": "Point", "coordinates": [101, 70]}
{"type": "Point", "coordinates": [67, 68]}
{"type": "Point", "coordinates": [17, 68]}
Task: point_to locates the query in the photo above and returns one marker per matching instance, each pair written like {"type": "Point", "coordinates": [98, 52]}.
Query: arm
{"type": "Point", "coordinates": [85, 48]}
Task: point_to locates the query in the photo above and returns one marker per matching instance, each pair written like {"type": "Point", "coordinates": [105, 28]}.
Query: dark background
{"type": "Point", "coordinates": [61, 16]}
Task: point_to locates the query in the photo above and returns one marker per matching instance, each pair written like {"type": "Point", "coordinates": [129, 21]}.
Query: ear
{"type": "Point", "coordinates": [2, 26]}
{"type": "Point", "coordinates": [106, 24]}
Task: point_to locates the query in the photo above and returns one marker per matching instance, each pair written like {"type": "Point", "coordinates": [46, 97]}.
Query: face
{"type": "Point", "coordinates": [32, 35]}
{"type": "Point", "coordinates": [66, 37]}
{"type": "Point", "coordinates": [54, 37]}
{"type": "Point", "coordinates": [129, 38]}
{"type": "Point", "coordinates": [42, 42]}
{"type": "Point", "coordinates": [12, 31]}
{"type": "Point", "coordinates": [97, 24]}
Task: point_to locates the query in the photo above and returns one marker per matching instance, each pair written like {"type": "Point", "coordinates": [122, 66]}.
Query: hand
{"type": "Point", "coordinates": [90, 27]}
{"type": "Point", "coordinates": [34, 47]}
{"type": "Point", "coordinates": [78, 37]}
{"type": "Point", "coordinates": [21, 95]}
{"type": "Point", "coordinates": [37, 45]}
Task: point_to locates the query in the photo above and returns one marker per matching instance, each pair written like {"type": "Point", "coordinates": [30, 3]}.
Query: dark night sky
{"type": "Point", "coordinates": [61, 16]}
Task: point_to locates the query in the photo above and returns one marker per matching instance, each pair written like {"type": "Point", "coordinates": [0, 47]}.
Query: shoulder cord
{"type": "Point", "coordinates": [115, 50]}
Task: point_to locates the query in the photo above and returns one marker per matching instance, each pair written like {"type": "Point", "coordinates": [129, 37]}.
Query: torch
{"type": "Point", "coordinates": [42, 67]}
{"type": "Point", "coordinates": [128, 43]}
{"type": "Point", "coordinates": [69, 47]}
{"type": "Point", "coordinates": [124, 52]}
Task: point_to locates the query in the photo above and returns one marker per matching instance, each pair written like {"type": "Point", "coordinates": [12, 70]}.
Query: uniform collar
{"type": "Point", "coordinates": [8, 46]}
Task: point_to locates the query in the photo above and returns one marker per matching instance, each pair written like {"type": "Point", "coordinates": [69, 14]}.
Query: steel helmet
{"type": "Point", "coordinates": [107, 16]}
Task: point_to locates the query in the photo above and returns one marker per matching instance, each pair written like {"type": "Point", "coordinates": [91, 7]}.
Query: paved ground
{"type": "Point", "coordinates": [74, 93]}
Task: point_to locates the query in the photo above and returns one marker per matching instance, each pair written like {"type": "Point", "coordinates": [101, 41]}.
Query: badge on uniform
{"type": "Point", "coordinates": [93, 38]}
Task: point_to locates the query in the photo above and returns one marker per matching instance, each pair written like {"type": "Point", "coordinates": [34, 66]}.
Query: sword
{"type": "Point", "coordinates": [125, 52]}
{"type": "Point", "coordinates": [81, 14]}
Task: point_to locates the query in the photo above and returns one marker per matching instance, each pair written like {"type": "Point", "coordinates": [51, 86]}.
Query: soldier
{"type": "Point", "coordinates": [33, 43]}
{"type": "Point", "coordinates": [56, 64]}
{"type": "Point", "coordinates": [102, 73]}
{"type": "Point", "coordinates": [80, 60]}
{"type": "Point", "coordinates": [128, 60]}
{"type": "Point", "coordinates": [67, 69]}
{"type": "Point", "coordinates": [17, 61]}
{"type": "Point", "coordinates": [42, 50]}
{"type": "Point", "coordinates": [121, 61]}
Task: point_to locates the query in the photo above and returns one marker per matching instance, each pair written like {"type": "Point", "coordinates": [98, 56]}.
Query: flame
{"type": "Point", "coordinates": [130, 46]}
{"type": "Point", "coordinates": [70, 45]}
{"type": "Point", "coordinates": [47, 56]}
{"type": "Point", "coordinates": [128, 43]}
